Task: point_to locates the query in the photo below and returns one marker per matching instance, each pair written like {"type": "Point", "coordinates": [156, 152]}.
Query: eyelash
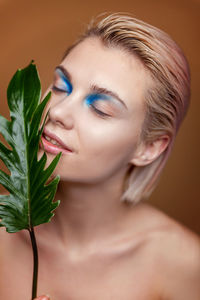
{"type": "Point", "coordinates": [58, 90]}
{"type": "Point", "coordinates": [97, 111]}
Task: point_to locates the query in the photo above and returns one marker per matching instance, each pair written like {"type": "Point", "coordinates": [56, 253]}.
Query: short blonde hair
{"type": "Point", "coordinates": [166, 100]}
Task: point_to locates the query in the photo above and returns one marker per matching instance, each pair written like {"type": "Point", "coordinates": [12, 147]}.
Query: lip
{"type": "Point", "coordinates": [54, 149]}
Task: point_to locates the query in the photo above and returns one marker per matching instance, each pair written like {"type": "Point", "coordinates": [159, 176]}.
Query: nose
{"type": "Point", "coordinates": [61, 115]}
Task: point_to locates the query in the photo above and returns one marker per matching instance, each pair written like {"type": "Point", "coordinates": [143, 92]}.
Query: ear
{"type": "Point", "coordinates": [147, 153]}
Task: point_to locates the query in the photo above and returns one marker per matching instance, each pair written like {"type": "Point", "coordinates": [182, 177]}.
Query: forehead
{"type": "Point", "coordinates": [93, 63]}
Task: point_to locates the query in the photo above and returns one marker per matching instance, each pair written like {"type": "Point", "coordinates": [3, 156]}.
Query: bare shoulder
{"type": "Point", "coordinates": [177, 252]}
{"type": "Point", "coordinates": [180, 249]}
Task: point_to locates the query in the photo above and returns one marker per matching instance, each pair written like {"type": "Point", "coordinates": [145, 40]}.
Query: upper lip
{"type": "Point", "coordinates": [57, 139]}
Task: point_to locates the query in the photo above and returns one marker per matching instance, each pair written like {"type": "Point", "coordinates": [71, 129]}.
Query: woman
{"type": "Point", "coordinates": [118, 98]}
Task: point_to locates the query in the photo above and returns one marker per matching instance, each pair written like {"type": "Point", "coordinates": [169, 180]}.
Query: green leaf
{"type": "Point", "coordinates": [30, 200]}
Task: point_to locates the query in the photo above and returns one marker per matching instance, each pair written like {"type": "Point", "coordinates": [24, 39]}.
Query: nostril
{"type": "Point", "coordinates": [61, 118]}
{"type": "Point", "coordinates": [59, 123]}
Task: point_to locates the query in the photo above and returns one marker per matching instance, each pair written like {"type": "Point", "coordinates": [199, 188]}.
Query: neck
{"type": "Point", "coordinates": [88, 213]}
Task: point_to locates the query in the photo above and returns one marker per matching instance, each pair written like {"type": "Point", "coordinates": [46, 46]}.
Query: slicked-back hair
{"type": "Point", "coordinates": [166, 99]}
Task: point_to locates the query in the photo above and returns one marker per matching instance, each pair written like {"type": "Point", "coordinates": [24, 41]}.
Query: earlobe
{"type": "Point", "coordinates": [147, 153]}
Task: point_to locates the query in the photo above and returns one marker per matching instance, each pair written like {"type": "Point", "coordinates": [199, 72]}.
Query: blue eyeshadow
{"type": "Point", "coordinates": [95, 97]}
{"type": "Point", "coordinates": [65, 80]}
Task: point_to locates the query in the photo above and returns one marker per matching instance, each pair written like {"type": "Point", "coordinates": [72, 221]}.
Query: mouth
{"type": "Point", "coordinates": [53, 144]}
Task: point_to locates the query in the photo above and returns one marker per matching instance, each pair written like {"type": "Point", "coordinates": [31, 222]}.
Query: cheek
{"type": "Point", "coordinates": [114, 143]}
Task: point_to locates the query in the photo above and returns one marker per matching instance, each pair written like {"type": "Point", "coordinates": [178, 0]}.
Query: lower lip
{"type": "Point", "coordinates": [51, 148]}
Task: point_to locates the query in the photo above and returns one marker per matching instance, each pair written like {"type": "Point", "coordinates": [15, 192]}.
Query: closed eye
{"type": "Point", "coordinates": [58, 90]}
{"type": "Point", "coordinates": [99, 112]}
{"type": "Point", "coordinates": [96, 103]}
{"type": "Point", "coordinates": [61, 83]}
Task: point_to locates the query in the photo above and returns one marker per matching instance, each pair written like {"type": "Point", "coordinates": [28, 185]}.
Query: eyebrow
{"type": "Point", "coordinates": [100, 90]}
{"type": "Point", "coordinates": [94, 88]}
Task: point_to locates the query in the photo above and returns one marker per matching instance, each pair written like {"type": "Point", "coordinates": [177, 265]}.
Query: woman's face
{"type": "Point", "coordinates": [97, 111]}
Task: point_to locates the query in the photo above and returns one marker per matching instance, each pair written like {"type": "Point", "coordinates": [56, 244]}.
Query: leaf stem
{"type": "Point", "coordinates": [35, 262]}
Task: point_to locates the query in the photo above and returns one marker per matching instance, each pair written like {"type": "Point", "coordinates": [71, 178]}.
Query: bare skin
{"type": "Point", "coordinates": [43, 297]}
{"type": "Point", "coordinates": [96, 247]}
{"type": "Point", "coordinates": [154, 260]}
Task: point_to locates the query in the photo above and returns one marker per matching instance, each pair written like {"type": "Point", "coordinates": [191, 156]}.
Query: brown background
{"type": "Point", "coordinates": [42, 29]}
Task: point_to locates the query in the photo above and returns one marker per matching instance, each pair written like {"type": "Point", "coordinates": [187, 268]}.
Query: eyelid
{"type": "Point", "coordinates": [58, 90]}
{"type": "Point", "coordinates": [101, 90]}
{"type": "Point", "coordinates": [99, 112]}
{"type": "Point", "coordinates": [64, 79]}
{"type": "Point", "coordinates": [94, 98]}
